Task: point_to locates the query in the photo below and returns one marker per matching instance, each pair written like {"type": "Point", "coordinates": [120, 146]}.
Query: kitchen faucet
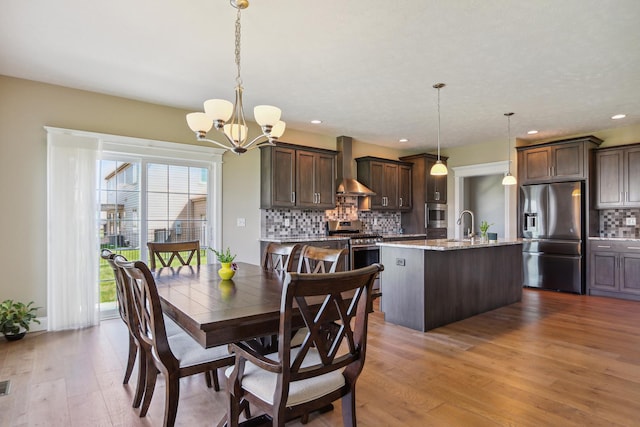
{"type": "Point", "coordinates": [472, 233]}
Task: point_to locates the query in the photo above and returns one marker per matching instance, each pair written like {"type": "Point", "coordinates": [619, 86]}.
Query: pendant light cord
{"type": "Point", "coordinates": [438, 124]}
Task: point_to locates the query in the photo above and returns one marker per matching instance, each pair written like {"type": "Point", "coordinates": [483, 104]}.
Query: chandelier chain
{"type": "Point", "coordinates": [237, 52]}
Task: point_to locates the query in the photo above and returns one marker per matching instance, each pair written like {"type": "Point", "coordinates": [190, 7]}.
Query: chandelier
{"type": "Point", "coordinates": [508, 178]}
{"type": "Point", "coordinates": [228, 118]}
{"type": "Point", "coordinates": [439, 168]}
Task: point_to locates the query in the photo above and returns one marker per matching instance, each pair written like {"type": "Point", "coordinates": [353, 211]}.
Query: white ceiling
{"type": "Point", "coordinates": [365, 67]}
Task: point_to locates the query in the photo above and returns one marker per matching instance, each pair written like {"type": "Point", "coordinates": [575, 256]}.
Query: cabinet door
{"type": "Point", "coordinates": [404, 187]}
{"type": "Point", "coordinates": [283, 181]}
{"type": "Point", "coordinates": [390, 186]}
{"type": "Point", "coordinates": [603, 271]}
{"type": "Point", "coordinates": [630, 272]}
{"type": "Point", "coordinates": [376, 181]}
{"type": "Point", "coordinates": [325, 181]}
{"type": "Point", "coordinates": [305, 176]}
{"type": "Point", "coordinates": [568, 161]}
{"type": "Point", "coordinates": [536, 164]}
{"type": "Point", "coordinates": [632, 177]}
{"type": "Point", "coordinates": [609, 178]}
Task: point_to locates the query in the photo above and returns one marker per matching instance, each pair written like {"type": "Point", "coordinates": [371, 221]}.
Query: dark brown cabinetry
{"type": "Point", "coordinates": [566, 160]}
{"type": "Point", "coordinates": [615, 269]}
{"type": "Point", "coordinates": [295, 176]}
{"type": "Point", "coordinates": [389, 179]}
{"type": "Point", "coordinates": [427, 188]}
{"type": "Point", "coordinates": [618, 177]}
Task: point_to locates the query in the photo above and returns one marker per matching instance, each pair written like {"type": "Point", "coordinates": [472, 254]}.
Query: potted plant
{"type": "Point", "coordinates": [229, 267]}
{"type": "Point", "coordinates": [15, 318]}
{"type": "Point", "coordinates": [484, 226]}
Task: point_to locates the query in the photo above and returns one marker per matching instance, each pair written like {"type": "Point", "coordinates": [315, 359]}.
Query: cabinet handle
{"type": "Point", "coordinates": [426, 214]}
{"type": "Point", "coordinates": [633, 247]}
{"type": "Point", "coordinates": [293, 197]}
{"type": "Point", "coordinates": [605, 247]}
{"type": "Point", "coordinates": [436, 195]}
{"type": "Point", "coordinates": [626, 196]}
{"type": "Point", "coordinates": [621, 196]}
{"type": "Point", "coordinates": [400, 201]}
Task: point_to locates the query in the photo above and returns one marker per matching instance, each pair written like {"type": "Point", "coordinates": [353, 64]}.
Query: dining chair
{"type": "Point", "coordinates": [174, 356]}
{"type": "Point", "coordinates": [295, 381]}
{"type": "Point", "coordinates": [279, 257]}
{"type": "Point", "coordinates": [166, 253]}
{"type": "Point", "coordinates": [319, 260]}
{"type": "Point", "coordinates": [123, 302]}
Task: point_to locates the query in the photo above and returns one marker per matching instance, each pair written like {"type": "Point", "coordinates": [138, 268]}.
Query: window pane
{"type": "Point", "coordinates": [178, 179]}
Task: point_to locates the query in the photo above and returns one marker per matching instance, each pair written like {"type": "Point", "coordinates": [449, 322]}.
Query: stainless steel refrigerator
{"type": "Point", "coordinates": [552, 219]}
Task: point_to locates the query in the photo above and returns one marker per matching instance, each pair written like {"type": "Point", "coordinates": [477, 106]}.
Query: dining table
{"type": "Point", "coordinates": [215, 311]}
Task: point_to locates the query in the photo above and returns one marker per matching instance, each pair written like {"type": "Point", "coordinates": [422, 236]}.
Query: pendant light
{"type": "Point", "coordinates": [439, 168]}
{"type": "Point", "coordinates": [508, 178]}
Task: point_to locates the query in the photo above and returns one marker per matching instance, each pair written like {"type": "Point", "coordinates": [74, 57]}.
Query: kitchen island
{"type": "Point", "coordinates": [430, 283]}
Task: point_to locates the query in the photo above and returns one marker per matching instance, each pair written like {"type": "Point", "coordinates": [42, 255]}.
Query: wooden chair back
{"type": "Point", "coordinates": [166, 253]}
{"type": "Point", "coordinates": [279, 257]}
{"type": "Point", "coordinates": [319, 260]}
{"type": "Point", "coordinates": [343, 299]}
{"type": "Point", "coordinates": [121, 291]}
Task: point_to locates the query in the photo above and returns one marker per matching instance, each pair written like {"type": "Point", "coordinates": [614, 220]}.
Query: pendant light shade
{"type": "Point", "coordinates": [508, 178]}
{"type": "Point", "coordinates": [439, 168]}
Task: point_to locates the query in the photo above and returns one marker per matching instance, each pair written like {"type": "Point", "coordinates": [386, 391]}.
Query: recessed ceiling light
{"type": "Point", "coordinates": [619, 116]}
{"type": "Point", "coordinates": [316, 122]}
{"type": "Point", "coordinates": [403, 140]}
{"type": "Point", "coordinates": [532, 132]}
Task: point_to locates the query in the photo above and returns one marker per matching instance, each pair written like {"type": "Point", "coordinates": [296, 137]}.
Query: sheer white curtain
{"type": "Point", "coordinates": [72, 239]}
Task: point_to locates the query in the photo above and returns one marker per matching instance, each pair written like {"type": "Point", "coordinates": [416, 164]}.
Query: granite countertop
{"type": "Point", "coordinates": [446, 244]}
{"type": "Point", "coordinates": [616, 239]}
{"type": "Point", "coordinates": [302, 239]}
{"type": "Point", "coordinates": [404, 236]}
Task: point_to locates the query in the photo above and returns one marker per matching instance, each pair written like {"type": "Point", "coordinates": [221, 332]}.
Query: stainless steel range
{"type": "Point", "coordinates": [363, 250]}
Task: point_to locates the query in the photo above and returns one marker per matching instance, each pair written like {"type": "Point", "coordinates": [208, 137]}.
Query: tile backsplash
{"type": "Point", "coordinates": [613, 223]}
{"type": "Point", "coordinates": [303, 222]}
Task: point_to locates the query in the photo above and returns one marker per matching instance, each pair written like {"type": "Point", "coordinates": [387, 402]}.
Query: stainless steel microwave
{"type": "Point", "coordinates": [436, 215]}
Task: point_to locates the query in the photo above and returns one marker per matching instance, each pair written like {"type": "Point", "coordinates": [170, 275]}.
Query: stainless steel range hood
{"type": "Point", "coordinates": [347, 185]}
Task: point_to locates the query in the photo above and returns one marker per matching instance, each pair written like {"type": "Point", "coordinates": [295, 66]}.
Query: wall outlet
{"type": "Point", "coordinates": [631, 220]}
{"type": "Point", "coordinates": [400, 262]}
{"type": "Point", "coordinates": [241, 222]}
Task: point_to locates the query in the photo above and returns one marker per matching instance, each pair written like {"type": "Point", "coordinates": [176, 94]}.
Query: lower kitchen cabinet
{"type": "Point", "coordinates": [614, 269]}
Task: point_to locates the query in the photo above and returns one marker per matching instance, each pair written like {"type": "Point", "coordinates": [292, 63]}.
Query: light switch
{"type": "Point", "coordinates": [631, 220]}
{"type": "Point", "coordinates": [287, 223]}
{"type": "Point", "coordinates": [400, 261]}
{"type": "Point", "coordinates": [241, 222]}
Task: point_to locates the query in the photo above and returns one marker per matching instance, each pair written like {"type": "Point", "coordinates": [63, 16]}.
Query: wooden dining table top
{"type": "Point", "coordinates": [216, 311]}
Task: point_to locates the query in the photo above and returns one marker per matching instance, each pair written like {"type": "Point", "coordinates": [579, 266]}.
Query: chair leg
{"type": "Point", "coordinates": [133, 347]}
{"type": "Point", "coordinates": [349, 409]}
{"type": "Point", "coordinates": [142, 377]}
{"type": "Point", "coordinates": [150, 385]}
{"type": "Point", "coordinates": [216, 382]}
{"type": "Point", "coordinates": [171, 400]}
{"type": "Point", "coordinates": [207, 378]}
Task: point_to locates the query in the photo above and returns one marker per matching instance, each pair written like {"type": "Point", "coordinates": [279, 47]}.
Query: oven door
{"type": "Point", "coordinates": [364, 256]}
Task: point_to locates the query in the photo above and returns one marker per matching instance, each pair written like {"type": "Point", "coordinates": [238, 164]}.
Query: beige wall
{"type": "Point", "coordinates": [25, 107]}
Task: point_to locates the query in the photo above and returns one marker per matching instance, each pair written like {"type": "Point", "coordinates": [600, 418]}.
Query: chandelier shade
{"type": "Point", "coordinates": [439, 168]}
{"type": "Point", "coordinates": [228, 118]}
{"type": "Point", "coordinates": [508, 178]}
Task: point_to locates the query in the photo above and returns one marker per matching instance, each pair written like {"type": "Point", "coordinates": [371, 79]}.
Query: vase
{"type": "Point", "coordinates": [226, 272]}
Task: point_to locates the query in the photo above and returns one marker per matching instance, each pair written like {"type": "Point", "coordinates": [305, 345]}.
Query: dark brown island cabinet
{"type": "Point", "coordinates": [389, 179]}
{"type": "Point", "coordinates": [618, 177]}
{"type": "Point", "coordinates": [294, 176]}
{"type": "Point", "coordinates": [615, 269]}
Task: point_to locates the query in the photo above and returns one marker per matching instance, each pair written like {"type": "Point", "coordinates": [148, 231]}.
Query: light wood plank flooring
{"type": "Point", "coordinates": [553, 359]}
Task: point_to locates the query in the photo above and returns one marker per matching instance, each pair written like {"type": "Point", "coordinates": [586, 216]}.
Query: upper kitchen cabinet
{"type": "Point", "coordinates": [294, 176]}
{"type": "Point", "coordinates": [389, 179]}
{"type": "Point", "coordinates": [618, 177]}
{"type": "Point", "coordinates": [431, 188]}
{"type": "Point", "coordinates": [565, 160]}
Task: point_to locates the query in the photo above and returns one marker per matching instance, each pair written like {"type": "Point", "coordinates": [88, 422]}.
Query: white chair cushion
{"type": "Point", "coordinates": [262, 383]}
{"type": "Point", "coordinates": [189, 352]}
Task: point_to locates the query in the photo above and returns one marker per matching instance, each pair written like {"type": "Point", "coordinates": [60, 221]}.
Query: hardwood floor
{"type": "Point", "coordinates": [552, 359]}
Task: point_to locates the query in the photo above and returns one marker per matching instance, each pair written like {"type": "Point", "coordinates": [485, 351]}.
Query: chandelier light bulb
{"type": "Point", "coordinates": [267, 115]}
